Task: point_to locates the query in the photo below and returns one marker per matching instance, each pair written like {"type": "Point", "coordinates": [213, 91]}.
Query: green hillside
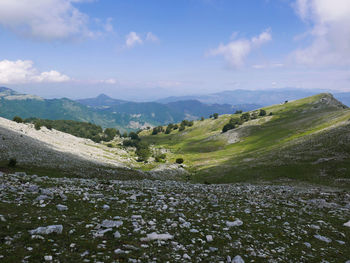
{"type": "Point", "coordinates": [305, 140]}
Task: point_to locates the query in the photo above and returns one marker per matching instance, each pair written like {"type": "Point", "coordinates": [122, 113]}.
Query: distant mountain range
{"type": "Point", "coordinates": [259, 97]}
{"type": "Point", "coordinates": [126, 115]}
{"type": "Point", "coordinates": [155, 113]}
{"type": "Point", "coordinates": [109, 112]}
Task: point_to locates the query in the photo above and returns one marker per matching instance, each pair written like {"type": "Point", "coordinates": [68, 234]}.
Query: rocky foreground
{"type": "Point", "coordinates": [90, 220]}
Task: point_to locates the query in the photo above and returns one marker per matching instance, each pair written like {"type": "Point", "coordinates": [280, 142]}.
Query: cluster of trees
{"type": "Point", "coordinates": [215, 116]}
{"type": "Point", "coordinates": [143, 150]}
{"type": "Point", "coordinates": [157, 130]}
{"type": "Point", "coordinates": [184, 124]}
{"type": "Point", "coordinates": [80, 129]}
{"type": "Point", "coordinates": [235, 121]}
{"type": "Point", "coordinates": [171, 127]}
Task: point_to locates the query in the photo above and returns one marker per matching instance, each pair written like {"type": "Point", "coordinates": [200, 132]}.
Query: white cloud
{"type": "Point", "coordinates": [268, 65]}
{"type": "Point", "coordinates": [108, 27]}
{"type": "Point", "coordinates": [23, 71]}
{"type": "Point", "coordinates": [109, 81]}
{"type": "Point", "coordinates": [133, 39]}
{"type": "Point", "coordinates": [330, 33]}
{"type": "Point", "coordinates": [44, 19]}
{"type": "Point", "coordinates": [151, 37]}
{"type": "Point", "coordinates": [236, 51]}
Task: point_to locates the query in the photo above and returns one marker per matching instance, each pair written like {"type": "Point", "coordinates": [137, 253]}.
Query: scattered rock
{"type": "Point", "coordinates": [47, 230]}
{"type": "Point", "coordinates": [61, 207]}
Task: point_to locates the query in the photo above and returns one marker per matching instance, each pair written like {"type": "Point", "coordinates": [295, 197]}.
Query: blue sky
{"type": "Point", "coordinates": [150, 49]}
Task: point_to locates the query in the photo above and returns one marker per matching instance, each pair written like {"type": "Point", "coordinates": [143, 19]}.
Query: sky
{"type": "Point", "coordinates": [146, 50]}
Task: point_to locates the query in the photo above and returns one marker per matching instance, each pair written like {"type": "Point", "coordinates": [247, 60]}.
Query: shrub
{"type": "Point", "coordinates": [17, 119]}
{"type": "Point", "coordinates": [179, 160]}
{"type": "Point", "coordinates": [12, 162]}
{"type": "Point", "coordinates": [262, 112]}
{"type": "Point", "coordinates": [48, 126]}
{"type": "Point", "coordinates": [254, 116]}
{"type": "Point", "coordinates": [143, 151]}
{"type": "Point", "coordinates": [270, 114]}
{"type": "Point", "coordinates": [154, 131]}
{"type": "Point", "coordinates": [37, 125]}
{"type": "Point", "coordinates": [228, 126]}
{"type": "Point", "coordinates": [96, 138]}
{"type": "Point", "coordinates": [134, 136]}
{"type": "Point", "coordinates": [110, 133]}
{"type": "Point", "coordinates": [130, 143]}
{"type": "Point", "coordinates": [168, 130]}
{"type": "Point", "coordinates": [157, 130]}
{"type": "Point", "coordinates": [125, 135]}
{"type": "Point", "coordinates": [181, 128]}
{"type": "Point", "coordinates": [245, 116]}
{"type": "Point", "coordinates": [160, 157]}
{"type": "Point", "coordinates": [202, 118]}
{"type": "Point", "coordinates": [232, 124]}
{"type": "Point", "coordinates": [238, 111]}
{"type": "Point", "coordinates": [109, 145]}
{"type": "Point", "coordinates": [216, 115]}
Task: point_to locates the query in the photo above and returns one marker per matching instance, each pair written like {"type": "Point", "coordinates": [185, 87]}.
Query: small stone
{"type": "Point", "coordinates": [117, 234]}
{"type": "Point", "coordinates": [111, 223]}
{"type": "Point", "coordinates": [237, 222]}
{"type": "Point", "coordinates": [347, 224]}
{"type": "Point", "coordinates": [307, 244]}
{"type": "Point", "coordinates": [106, 207]}
{"type": "Point", "coordinates": [155, 236]}
{"type": "Point", "coordinates": [48, 258]}
{"type": "Point", "coordinates": [237, 259]}
{"type": "Point", "coordinates": [209, 238]}
{"type": "Point", "coordinates": [47, 230]}
{"type": "Point", "coordinates": [119, 251]}
{"type": "Point", "coordinates": [323, 238]}
{"type": "Point", "coordinates": [61, 207]}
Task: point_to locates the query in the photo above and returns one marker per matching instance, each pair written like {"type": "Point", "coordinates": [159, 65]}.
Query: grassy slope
{"type": "Point", "coordinates": [290, 144]}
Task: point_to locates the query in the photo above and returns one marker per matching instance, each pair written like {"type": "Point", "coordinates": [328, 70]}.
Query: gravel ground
{"type": "Point", "coordinates": [90, 220]}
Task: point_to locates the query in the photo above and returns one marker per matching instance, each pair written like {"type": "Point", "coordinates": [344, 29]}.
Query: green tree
{"type": "Point", "coordinates": [12, 162]}
{"type": "Point", "coordinates": [17, 119]}
{"type": "Point", "coordinates": [143, 151]}
{"type": "Point", "coordinates": [262, 112]}
{"type": "Point", "coordinates": [179, 160]}
{"type": "Point", "coordinates": [110, 133]}
{"type": "Point", "coordinates": [245, 116]}
{"type": "Point", "coordinates": [134, 136]}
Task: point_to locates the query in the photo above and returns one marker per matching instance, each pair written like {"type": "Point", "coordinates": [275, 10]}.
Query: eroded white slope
{"type": "Point", "coordinates": [28, 145]}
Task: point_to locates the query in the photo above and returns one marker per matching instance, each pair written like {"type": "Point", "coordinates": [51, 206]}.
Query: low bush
{"type": "Point", "coordinates": [17, 119]}
{"type": "Point", "coordinates": [12, 162]}
{"type": "Point", "coordinates": [179, 160]}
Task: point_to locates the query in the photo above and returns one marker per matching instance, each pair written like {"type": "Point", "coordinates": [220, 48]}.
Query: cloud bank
{"type": "Point", "coordinates": [236, 51]}
{"type": "Point", "coordinates": [45, 19]}
{"type": "Point", "coordinates": [23, 72]}
{"type": "Point", "coordinates": [330, 32]}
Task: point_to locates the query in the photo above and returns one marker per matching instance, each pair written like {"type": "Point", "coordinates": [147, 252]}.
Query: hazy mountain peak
{"type": "Point", "coordinates": [103, 96]}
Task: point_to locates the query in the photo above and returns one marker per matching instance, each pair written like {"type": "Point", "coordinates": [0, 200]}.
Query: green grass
{"type": "Point", "coordinates": [210, 158]}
